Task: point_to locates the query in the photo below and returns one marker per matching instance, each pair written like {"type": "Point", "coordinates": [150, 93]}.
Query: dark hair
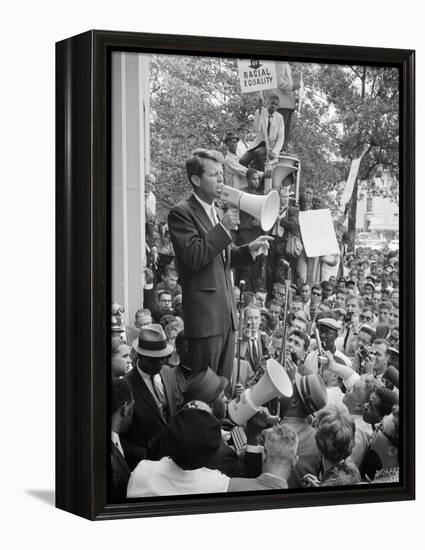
{"type": "Point", "coordinates": [195, 165]}
{"type": "Point", "coordinates": [180, 340]}
{"type": "Point", "coordinates": [273, 96]}
{"type": "Point", "coordinates": [248, 298]}
{"type": "Point", "coordinates": [368, 330]}
{"type": "Point", "coordinates": [387, 399]}
{"type": "Point", "coordinates": [385, 305]}
{"type": "Point", "coordinates": [250, 172]}
{"type": "Point", "coordinates": [278, 333]}
{"type": "Point", "coordinates": [162, 292]}
{"type": "Point", "coordinates": [120, 394]}
{"type": "Point", "coordinates": [302, 335]}
{"type": "Point", "coordinates": [273, 302]}
{"type": "Point", "coordinates": [335, 433]}
{"type": "Point", "coordinates": [166, 320]}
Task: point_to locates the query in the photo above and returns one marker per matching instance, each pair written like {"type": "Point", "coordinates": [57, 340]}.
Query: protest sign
{"type": "Point", "coordinates": [256, 75]}
{"type": "Point", "coordinates": [351, 180]}
{"type": "Point", "coordinates": [318, 233]}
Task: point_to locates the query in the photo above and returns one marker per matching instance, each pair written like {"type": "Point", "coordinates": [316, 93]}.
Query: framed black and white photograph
{"type": "Point", "coordinates": [235, 283]}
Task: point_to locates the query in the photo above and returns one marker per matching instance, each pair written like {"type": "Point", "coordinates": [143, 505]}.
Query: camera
{"type": "Point", "coordinates": [363, 351]}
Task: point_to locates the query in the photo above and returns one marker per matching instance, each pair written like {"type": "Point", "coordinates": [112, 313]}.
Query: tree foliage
{"type": "Point", "coordinates": [195, 100]}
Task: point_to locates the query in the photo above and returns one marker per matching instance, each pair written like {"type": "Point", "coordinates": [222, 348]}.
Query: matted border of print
{"type": "Point", "coordinates": [83, 213]}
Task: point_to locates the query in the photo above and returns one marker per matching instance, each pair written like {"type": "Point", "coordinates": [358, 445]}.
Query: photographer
{"type": "Point", "coordinates": [362, 346]}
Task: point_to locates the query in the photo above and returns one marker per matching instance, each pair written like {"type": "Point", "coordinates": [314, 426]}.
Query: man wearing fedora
{"type": "Point", "coordinates": [204, 256]}
{"type": "Point", "coordinates": [154, 388]}
{"type": "Point", "coordinates": [205, 386]}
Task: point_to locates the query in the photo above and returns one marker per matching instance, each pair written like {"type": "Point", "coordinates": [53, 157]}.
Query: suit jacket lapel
{"type": "Point", "coordinates": [168, 390]}
{"type": "Point", "coordinates": [201, 214]}
{"type": "Point", "coordinates": [141, 389]}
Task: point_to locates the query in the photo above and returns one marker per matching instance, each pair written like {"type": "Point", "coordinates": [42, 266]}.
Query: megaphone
{"type": "Point", "coordinates": [263, 207]}
{"type": "Point", "coordinates": [282, 169]}
{"type": "Point", "coordinates": [275, 382]}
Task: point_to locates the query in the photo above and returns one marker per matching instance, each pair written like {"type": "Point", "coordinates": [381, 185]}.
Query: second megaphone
{"type": "Point", "coordinates": [263, 207]}
{"type": "Point", "coordinates": [275, 382]}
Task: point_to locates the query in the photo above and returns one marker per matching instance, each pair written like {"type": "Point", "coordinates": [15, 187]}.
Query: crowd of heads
{"type": "Point", "coordinates": [336, 337]}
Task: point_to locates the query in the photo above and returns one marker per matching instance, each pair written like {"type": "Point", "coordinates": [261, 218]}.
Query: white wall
{"type": "Point", "coordinates": [29, 30]}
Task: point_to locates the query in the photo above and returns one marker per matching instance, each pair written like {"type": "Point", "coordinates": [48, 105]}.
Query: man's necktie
{"type": "Point", "coordinates": [157, 391]}
{"type": "Point", "coordinates": [269, 124]}
{"type": "Point", "coordinates": [254, 350]}
{"type": "Point", "coordinates": [214, 217]}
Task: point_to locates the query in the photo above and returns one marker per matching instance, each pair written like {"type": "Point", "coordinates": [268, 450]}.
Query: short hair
{"type": "Point", "coordinates": [250, 172]}
{"type": "Point", "coordinates": [335, 433]}
{"type": "Point", "coordinates": [165, 320]}
{"type": "Point", "coordinates": [273, 96]}
{"type": "Point", "coordinates": [316, 287]}
{"type": "Point", "coordinates": [302, 315]}
{"type": "Point", "coordinates": [170, 271]}
{"type": "Point", "coordinates": [383, 342]}
{"type": "Point", "coordinates": [345, 473]}
{"type": "Point", "coordinates": [281, 444]}
{"type": "Point", "coordinates": [387, 399]}
{"type": "Point", "coordinates": [278, 333]}
{"type": "Point", "coordinates": [173, 325]}
{"type": "Point", "coordinates": [248, 298]}
{"type": "Point", "coordinates": [385, 305]}
{"type": "Point", "coordinates": [195, 165]}
{"type": "Point", "coordinates": [142, 311]}
{"type": "Point", "coordinates": [371, 384]}
{"type": "Point", "coordinates": [120, 394]}
{"type": "Point", "coordinates": [325, 284]}
{"type": "Point", "coordinates": [297, 298]}
{"type": "Point", "coordinates": [273, 302]}
{"type": "Point", "coordinates": [305, 284]}
{"type": "Point", "coordinates": [302, 335]}
{"type": "Point", "coordinates": [356, 298]}
{"type": "Point", "coordinates": [162, 292]}
{"type": "Point", "coordinates": [369, 331]}
{"type": "Point", "coordinates": [252, 306]}
{"type": "Point", "coordinates": [341, 290]}
{"type": "Point", "coordinates": [382, 331]}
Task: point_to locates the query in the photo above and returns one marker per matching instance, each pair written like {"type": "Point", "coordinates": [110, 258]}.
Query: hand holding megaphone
{"type": "Point", "coordinates": [230, 220]}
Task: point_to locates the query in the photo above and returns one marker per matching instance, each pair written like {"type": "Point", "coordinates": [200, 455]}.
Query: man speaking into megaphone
{"type": "Point", "coordinates": [204, 256]}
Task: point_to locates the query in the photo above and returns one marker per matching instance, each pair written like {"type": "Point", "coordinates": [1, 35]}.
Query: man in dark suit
{"type": "Point", "coordinates": [204, 256]}
{"type": "Point", "coordinates": [154, 389]}
{"type": "Point", "coordinates": [254, 345]}
{"type": "Point", "coordinates": [122, 406]}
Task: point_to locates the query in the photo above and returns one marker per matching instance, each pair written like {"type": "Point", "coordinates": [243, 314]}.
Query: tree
{"type": "Point", "coordinates": [366, 103]}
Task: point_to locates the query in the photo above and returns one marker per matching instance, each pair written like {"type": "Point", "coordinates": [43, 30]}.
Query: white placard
{"type": "Point", "coordinates": [318, 233]}
{"type": "Point", "coordinates": [256, 75]}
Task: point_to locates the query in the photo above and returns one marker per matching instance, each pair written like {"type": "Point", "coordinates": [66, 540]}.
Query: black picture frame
{"type": "Point", "coordinates": [83, 271]}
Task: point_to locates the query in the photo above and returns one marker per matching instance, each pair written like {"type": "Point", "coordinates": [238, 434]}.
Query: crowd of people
{"type": "Point", "coordinates": [331, 322]}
